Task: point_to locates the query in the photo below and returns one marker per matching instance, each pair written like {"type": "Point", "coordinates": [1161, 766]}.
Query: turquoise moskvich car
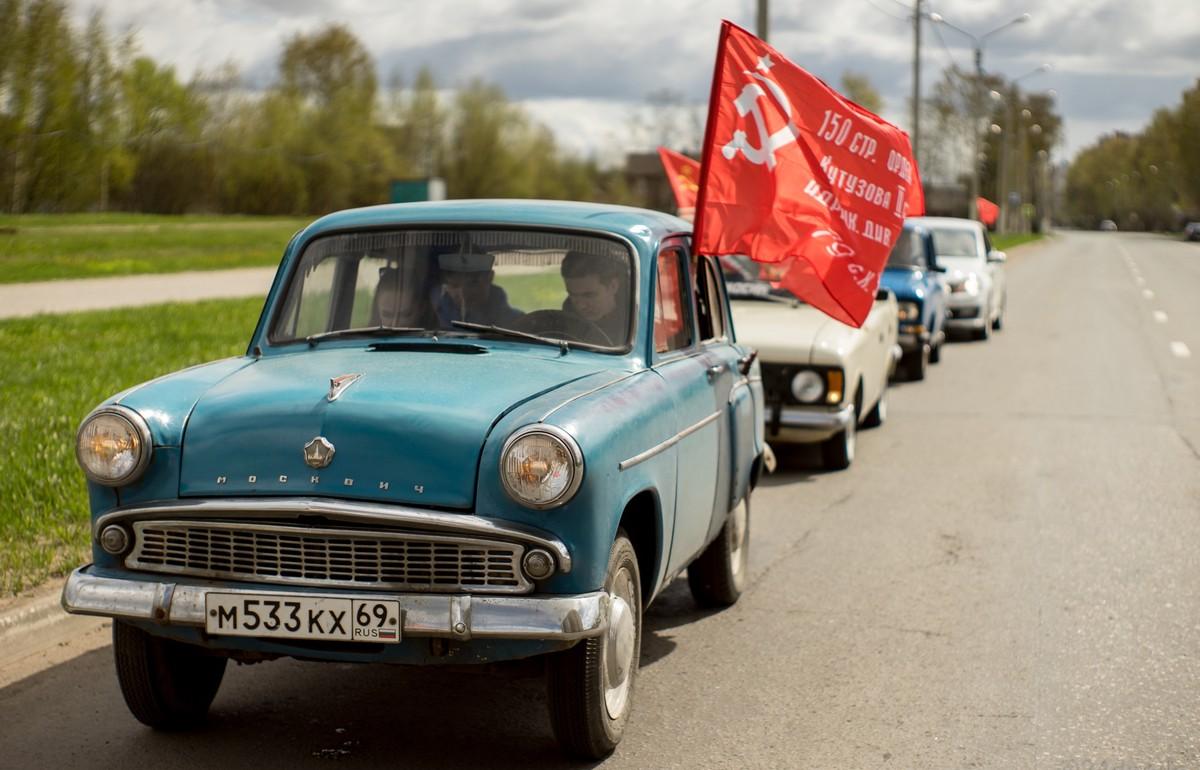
{"type": "Point", "coordinates": [462, 432]}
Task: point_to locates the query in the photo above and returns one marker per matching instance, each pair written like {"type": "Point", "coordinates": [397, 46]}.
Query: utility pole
{"type": "Point", "coordinates": [762, 20]}
{"type": "Point", "coordinates": [916, 95]}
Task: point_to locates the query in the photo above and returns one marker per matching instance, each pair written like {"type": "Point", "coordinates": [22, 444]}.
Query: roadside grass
{"type": "Point", "coordinates": [42, 247]}
{"type": "Point", "coordinates": [1009, 240]}
{"type": "Point", "coordinates": [53, 371]}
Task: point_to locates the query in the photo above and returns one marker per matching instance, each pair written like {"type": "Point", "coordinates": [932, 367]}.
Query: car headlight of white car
{"type": "Point", "coordinates": [113, 446]}
{"type": "Point", "coordinates": [541, 466]}
{"type": "Point", "coordinates": [810, 386]}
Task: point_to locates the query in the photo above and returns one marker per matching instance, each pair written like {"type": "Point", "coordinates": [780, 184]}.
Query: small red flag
{"type": "Point", "coordinates": [795, 173]}
{"type": "Point", "coordinates": [684, 175]}
{"type": "Point", "coordinates": [988, 211]}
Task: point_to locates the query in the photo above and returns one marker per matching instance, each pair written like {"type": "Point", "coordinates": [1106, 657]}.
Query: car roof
{"type": "Point", "coordinates": [633, 223]}
{"type": "Point", "coordinates": [946, 222]}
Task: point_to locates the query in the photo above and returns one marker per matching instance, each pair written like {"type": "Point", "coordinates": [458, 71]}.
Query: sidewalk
{"type": "Point", "coordinates": [21, 300]}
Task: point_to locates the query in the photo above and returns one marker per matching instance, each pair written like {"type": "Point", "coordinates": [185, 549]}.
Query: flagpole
{"type": "Point", "coordinates": [762, 20]}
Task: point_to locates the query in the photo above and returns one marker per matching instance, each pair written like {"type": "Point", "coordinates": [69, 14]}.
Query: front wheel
{"type": "Point", "coordinates": [590, 686]}
{"type": "Point", "coordinates": [878, 415]}
{"type": "Point", "coordinates": [167, 685]}
{"type": "Point", "coordinates": [838, 451]}
{"type": "Point", "coordinates": [718, 574]}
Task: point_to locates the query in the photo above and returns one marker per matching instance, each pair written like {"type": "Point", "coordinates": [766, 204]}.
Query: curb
{"type": "Point", "coordinates": [39, 608]}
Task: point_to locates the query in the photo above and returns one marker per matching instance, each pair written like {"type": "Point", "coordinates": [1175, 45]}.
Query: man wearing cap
{"type": "Point", "coordinates": [468, 294]}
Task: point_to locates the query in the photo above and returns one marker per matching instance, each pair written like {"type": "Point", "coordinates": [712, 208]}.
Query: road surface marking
{"type": "Point", "coordinates": [1147, 294]}
{"type": "Point", "coordinates": [1180, 350]}
{"type": "Point", "coordinates": [1139, 280]}
{"type": "Point", "coordinates": [1160, 316]}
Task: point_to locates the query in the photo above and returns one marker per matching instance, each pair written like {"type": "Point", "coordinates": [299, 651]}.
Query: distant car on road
{"type": "Point", "coordinates": [821, 378]}
{"type": "Point", "coordinates": [1107, 225]}
{"type": "Point", "coordinates": [382, 479]}
{"type": "Point", "coordinates": [1192, 231]}
{"type": "Point", "coordinates": [915, 277]}
{"type": "Point", "coordinates": [974, 275]}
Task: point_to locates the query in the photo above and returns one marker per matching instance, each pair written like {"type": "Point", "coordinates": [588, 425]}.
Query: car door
{"type": "Point", "coordinates": [731, 395]}
{"type": "Point", "coordinates": [685, 366]}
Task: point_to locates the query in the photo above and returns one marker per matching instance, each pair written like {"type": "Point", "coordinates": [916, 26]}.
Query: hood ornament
{"type": "Point", "coordinates": [318, 453]}
{"type": "Point", "coordinates": [338, 385]}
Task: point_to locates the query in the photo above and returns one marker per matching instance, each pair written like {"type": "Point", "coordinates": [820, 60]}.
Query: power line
{"type": "Point", "coordinates": [886, 12]}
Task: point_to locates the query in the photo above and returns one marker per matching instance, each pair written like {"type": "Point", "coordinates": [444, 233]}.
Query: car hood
{"type": "Point", "coordinates": [905, 282]}
{"type": "Point", "coordinates": [410, 430]}
{"type": "Point", "coordinates": [788, 334]}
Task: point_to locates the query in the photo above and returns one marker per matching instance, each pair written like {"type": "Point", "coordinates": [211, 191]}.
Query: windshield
{"type": "Point", "coordinates": [908, 251]}
{"type": "Point", "coordinates": [747, 279]}
{"type": "Point", "coordinates": [571, 288]}
{"type": "Point", "coordinates": [956, 242]}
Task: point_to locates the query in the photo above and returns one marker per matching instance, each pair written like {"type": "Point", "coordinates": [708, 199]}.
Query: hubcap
{"type": "Point", "coordinates": [617, 652]}
{"type": "Point", "coordinates": [851, 432]}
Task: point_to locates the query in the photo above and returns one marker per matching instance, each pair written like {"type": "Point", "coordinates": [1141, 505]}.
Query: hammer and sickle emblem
{"type": "Point", "coordinates": [768, 143]}
{"type": "Point", "coordinates": [838, 248]}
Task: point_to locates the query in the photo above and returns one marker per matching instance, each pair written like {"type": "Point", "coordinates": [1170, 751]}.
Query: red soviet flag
{"type": "Point", "coordinates": [987, 211]}
{"type": "Point", "coordinates": [684, 175]}
{"type": "Point", "coordinates": [794, 173]}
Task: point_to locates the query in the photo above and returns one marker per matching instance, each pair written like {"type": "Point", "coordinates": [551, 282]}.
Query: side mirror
{"type": "Point", "coordinates": [997, 256]}
{"type": "Point", "coordinates": [936, 269]}
{"type": "Point", "coordinates": [883, 295]}
{"type": "Point", "coordinates": [747, 361]}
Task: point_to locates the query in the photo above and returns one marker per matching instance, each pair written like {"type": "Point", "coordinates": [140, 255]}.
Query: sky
{"type": "Point", "coordinates": [587, 69]}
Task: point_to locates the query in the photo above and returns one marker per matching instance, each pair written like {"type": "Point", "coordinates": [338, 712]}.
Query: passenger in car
{"type": "Point", "coordinates": [467, 292]}
{"type": "Point", "coordinates": [401, 303]}
{"type": "Point", "coordinates": [598, 292]}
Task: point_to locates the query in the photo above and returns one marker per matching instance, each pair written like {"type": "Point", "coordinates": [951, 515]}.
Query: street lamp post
{"type": "Point", "coordinates": [977, 47]}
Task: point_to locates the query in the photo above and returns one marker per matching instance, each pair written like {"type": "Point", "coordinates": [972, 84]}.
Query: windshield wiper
{"type": "Point", "coordinates": [561, 344]}
{"type": "Point", "coordinates": [363, 331]}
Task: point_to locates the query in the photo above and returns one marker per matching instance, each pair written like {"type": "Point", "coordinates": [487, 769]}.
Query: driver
{"type": "Point", "coordinates": [596, 292]}
{"type": "Point", "coordinates": [468, 294]}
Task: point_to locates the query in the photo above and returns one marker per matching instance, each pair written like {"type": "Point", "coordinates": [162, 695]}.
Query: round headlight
{"type": "Point", "coordinates": [113, 446]}
{"type": "Point", "coordinates": [541, 466]}
{"type": "Point", "coordinates": [807, 386]}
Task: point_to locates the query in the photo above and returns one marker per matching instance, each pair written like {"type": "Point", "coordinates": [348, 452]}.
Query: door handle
{"type": "Point", "coordinates": [714, 371]}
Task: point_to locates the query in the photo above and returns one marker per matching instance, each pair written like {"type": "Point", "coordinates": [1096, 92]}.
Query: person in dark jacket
{"type": "Point", "coordinates": [468, 294]}
{"type": "Point", "coordinates": [598, 292]}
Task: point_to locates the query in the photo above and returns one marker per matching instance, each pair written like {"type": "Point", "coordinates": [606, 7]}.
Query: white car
{"type": "Point", "coordinates": [821, 378]}
{"type": "Point", "coordinates": [977, 289]}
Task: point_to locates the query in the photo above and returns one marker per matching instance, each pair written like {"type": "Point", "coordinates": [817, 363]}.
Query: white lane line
{"type": "Point", "coordinates": [1160, 316]}
{"type": "Point", "coordinates": [1180, 350]}
{"type": "Point", "coordinates": [1147, 294]}
{"type": "Point", "coordinates": [1140, 281]}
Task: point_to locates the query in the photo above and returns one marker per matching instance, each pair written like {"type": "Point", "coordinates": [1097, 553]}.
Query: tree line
{"type": "Point", "coordinates": [86, 123]}
{"type": "Point", "coordinates": [1144, 181]}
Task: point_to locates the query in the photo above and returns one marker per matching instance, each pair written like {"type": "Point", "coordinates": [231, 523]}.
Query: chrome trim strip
{"type": "Point", "coordinates": [563, 618]}
{"type": "Point", "coordinates": [587, 393]}
{"type": "Point", "coordinates": [340, 510]}
{"type": "Point", "coordinates": [659, 448]}
{"type": "Point", "coordinates": [812, 420]}
{"type": "Point", "coordinates": [140, 557]}
{"type": "Point", "coordinates": [742, 383]}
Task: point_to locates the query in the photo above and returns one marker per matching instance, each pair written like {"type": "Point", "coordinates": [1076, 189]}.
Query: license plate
{"type": "Point", "coordinates": [302, 617]}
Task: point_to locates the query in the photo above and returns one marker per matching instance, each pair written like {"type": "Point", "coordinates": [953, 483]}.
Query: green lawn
{"type": "Point", "coordinates": [53, 370]}
{"type": "Point", "coordinates": [40, 247]}
{"type": "Point", "coordinates": [1007, 241]}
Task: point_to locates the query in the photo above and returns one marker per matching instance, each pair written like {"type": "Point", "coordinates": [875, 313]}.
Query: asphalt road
{"type": "Point", "coordinates": [1007, 577]}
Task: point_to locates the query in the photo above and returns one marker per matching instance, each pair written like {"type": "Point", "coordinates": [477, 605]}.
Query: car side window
{"type": "Point", "coordinates": [710, 312]}
{"type": "Point", "coordinates": [672, 327]}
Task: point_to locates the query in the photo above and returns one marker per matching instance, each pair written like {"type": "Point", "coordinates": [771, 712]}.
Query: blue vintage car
{"type": "Point", "coordinates": [915, 277]}
{"type": "Point", "coordinates": [462, 432]}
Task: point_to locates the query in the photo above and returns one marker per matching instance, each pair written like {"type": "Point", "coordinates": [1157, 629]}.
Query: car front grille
{"type": "Point", "coordinates": [964, 312]}
{"type": "Point", "coordinates": [328, 557]}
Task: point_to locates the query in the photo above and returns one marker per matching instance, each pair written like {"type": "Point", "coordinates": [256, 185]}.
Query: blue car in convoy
{"type": "Point", "coordinates": [915, 277]}
{"type": "Point", "coordinates": [462, 432]}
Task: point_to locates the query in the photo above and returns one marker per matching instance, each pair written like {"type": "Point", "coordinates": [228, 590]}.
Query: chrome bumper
{"type": "Point", "coordinates": [461, 617]}
{"type": "Point", "coordinates": [806, 419]}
